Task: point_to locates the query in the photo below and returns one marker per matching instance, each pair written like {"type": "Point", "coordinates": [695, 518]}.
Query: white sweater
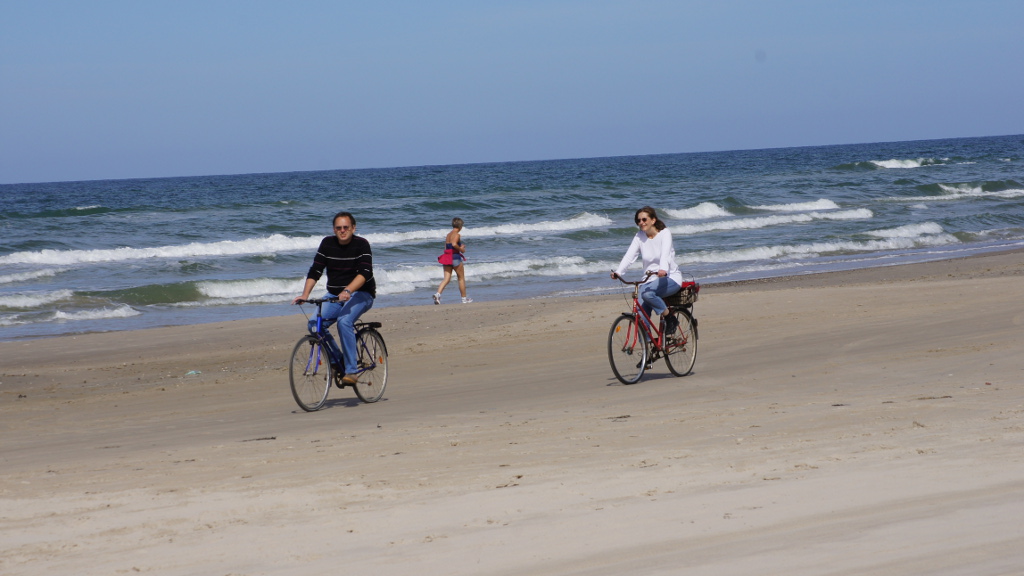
{"type": "Point", "coordinates": [658, 254]}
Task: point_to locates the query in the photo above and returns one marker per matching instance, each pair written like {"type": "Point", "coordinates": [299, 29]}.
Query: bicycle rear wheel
{"type": "Point", "coordinates": [681, 345]}
{"type": "Point", "coordinates": [310, 374]}
{"type": "Point", "coordinates": [627, 349]}
{"type": "Point", "coordinates": [373, 365]}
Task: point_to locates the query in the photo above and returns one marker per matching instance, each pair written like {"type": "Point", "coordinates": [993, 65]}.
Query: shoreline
{"type": "Point", "coordinates": [871, 419]}
{"type": "Point", "coordinates": [889, 273]}
{"type": "Point", "coordinates": [870, 274]}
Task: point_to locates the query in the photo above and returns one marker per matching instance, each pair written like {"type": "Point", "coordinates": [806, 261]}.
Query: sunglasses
{"type": "Point", "coordinates": [644, 219]}
{"type": "Point", "coordinates": [342, 228]}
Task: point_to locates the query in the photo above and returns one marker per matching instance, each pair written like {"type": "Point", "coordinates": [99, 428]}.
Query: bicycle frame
{"type": "Point", "coordinates": [322, 333]}
{"type": "Point", "coordinates": [643, 320]}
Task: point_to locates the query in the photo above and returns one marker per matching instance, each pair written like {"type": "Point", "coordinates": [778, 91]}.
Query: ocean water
{"type": "Point", "coordinates": [128, 254]}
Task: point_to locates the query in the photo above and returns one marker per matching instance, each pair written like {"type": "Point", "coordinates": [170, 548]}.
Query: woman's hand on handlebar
{"type": "Point", "coordinates": [646, 277]}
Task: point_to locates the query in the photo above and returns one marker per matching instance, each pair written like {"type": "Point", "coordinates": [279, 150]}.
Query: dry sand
{"type": "Point", "coordinates": [866, 422]}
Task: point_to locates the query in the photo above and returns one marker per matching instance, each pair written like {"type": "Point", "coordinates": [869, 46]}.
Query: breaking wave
{"type": "Point", "coordinates": [774, 220]}
{"type": "Point", "coordinates": [278, 243]}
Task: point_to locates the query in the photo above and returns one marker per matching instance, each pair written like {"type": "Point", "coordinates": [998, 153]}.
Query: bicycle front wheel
{"type": "Point", "coordinates": [373, 365]}
{"type": "Point", "coordinates": [627, 350]}
{"type": "Point", "coordinates": [310, 374]}
{"type": "Point", "coordinates": [681, 345]}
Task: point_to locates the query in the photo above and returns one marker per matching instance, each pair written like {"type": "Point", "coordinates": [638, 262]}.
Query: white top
{"type": "Point", "coordinates": [658, 254]}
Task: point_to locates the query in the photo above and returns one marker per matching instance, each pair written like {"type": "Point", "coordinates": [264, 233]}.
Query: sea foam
{"type": "Point", "coordinates": [957, 191]}
{"type": "Point", "coordinates": [702, 211]}
{"type": "Point", "coordinates": [774, 220]}
{"type": "Point", "coordinates": [27, 276]}
{"type": "Point", "coordinates": [257, 287]}
{"type": "Point", "coordinates": [410, 278]}
{"type": "Point", "coordinates": [123, 311]}
{"type": "Point", "coordinates": [911, 163]}
{"type": "Point", "coordinates": [899, 238]}
{"type": "Point", "coordinates": [820, 204]}
{"type": "Point", "coordinates": [578, 222]}
{"type": "Point", "coordinates": [710, 210]}
{"type": "Point", "coordinates": [279, 243]}
{"type": "Point", "coordinates": [29, 300]}
{"type": "Point", "coordinates": [399, 280]}
{"type": "Point", "coordinates": [267, 245]}
{"type": "Point", "coordinates": [909, 231]}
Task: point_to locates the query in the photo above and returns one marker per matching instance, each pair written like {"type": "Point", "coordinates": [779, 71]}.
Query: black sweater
{"type": "Point", "coordinates": [343, 264]}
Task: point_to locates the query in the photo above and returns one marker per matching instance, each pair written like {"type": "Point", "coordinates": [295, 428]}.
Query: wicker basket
{"type": "Point", "coordinates": [688, 295]}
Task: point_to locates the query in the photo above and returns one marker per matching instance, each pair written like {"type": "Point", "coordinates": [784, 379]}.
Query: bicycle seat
{"type": "Point", "coordinates": [368, 324]}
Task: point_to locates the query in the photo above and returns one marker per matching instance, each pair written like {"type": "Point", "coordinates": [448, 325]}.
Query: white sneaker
{"type": "Point", "coordinates": [437, 298]}
{"type": "Point", "coordinates": [467, 300]}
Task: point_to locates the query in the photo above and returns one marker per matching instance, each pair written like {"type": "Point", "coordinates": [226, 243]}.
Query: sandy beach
{"type": "Point", "coordinates": [862, 422]}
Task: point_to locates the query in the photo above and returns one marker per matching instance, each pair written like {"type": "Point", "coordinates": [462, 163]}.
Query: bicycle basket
{"type": "Point", "coordinates": [688, 295]}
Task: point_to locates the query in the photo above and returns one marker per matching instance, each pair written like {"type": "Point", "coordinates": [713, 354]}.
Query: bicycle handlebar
{"type": "Point", "coordinates": [647, 275]}
{"type": "Point", "coordinates": [318, 300]}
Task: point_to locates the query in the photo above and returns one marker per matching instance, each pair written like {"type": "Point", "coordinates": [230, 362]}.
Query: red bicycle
{"type": "Point", "coordinates": [634, 343]}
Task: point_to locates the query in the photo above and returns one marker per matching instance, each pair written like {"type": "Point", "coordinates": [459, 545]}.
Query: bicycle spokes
{"type": "Point", "coordinates": [310, 378]}
{"type": "Point", "coordinates": [627, 349]}
{"type": "Point", "coordinates": [373, 366]}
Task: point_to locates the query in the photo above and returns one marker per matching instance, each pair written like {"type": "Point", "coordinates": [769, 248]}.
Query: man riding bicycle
{"type": "Point", "coordinates": [349, 264]}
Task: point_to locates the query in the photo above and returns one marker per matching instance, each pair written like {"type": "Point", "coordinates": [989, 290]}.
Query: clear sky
{"type": "Point", "coordinates": [103, 89]}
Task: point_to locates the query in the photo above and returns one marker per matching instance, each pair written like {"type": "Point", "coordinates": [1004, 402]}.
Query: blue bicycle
{"type": "Point", "coordinates": [317, 362]}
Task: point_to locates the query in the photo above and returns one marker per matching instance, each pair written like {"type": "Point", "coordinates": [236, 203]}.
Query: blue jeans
{"type": "Point", "coordinates": [651, 295]}
{"type": "Point", "coordinates": [346, 314]}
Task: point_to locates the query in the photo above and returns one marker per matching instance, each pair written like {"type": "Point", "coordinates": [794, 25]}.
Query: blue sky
{"type": "Point", "coordinates": [98, 90]}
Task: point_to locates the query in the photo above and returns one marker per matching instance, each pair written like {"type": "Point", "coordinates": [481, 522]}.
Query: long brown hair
{"type": "Point", "coordinates": [658, 224]}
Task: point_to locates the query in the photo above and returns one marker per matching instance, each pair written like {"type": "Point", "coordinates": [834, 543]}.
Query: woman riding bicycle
{"type": "Point", "coordinates": [349, 264]}
{"type": "Point", "coordinates": [654, 243]}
